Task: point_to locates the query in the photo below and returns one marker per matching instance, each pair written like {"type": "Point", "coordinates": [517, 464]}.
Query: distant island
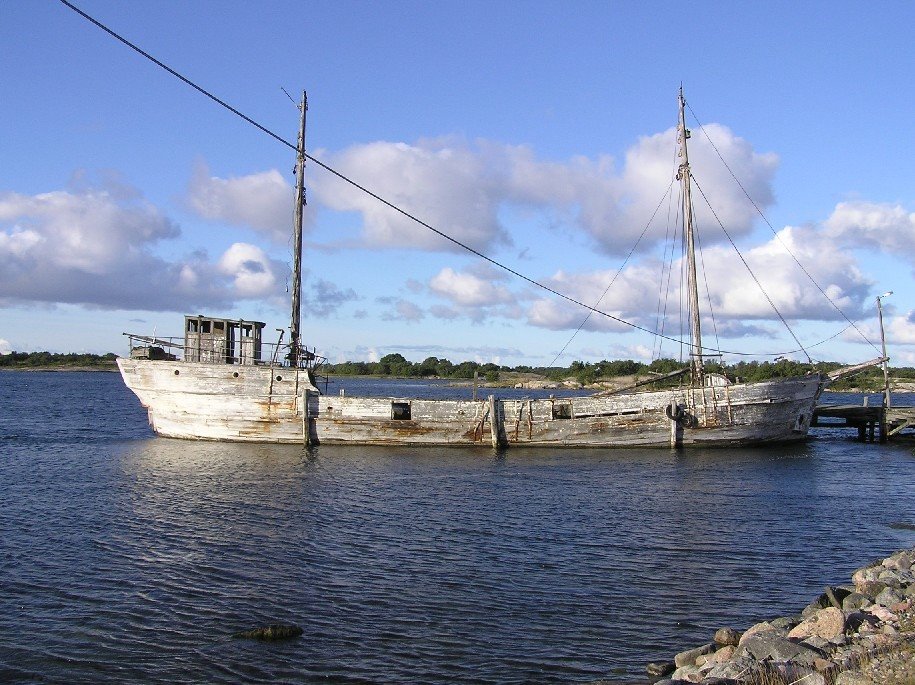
{"type": "Point", "coordinates": [596, 375]}
{"type": "Point", "coordinates": [53, 361]}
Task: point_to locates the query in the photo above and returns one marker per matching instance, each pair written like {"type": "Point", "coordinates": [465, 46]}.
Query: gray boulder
{"type": "Point", "coordinates": [690, 674]}
{"type": "Point", "coordinates": [727, 636]}
{"type": "Point", "coordinates": [867, 574]}
{"type": "Point", "coordinates": [820, 603]}
{"type": "Point", "coordinates": [836, 593]}
{"type": "Point", "coordinates": [785, 623]}
{"type": "Point", "coordinates": [889, 596]}
{"type": "Point", "coordinates": [776, 648]}
{"type": "Point", "coordinates": [871, 588]}
{"type": "Point", "coordinates": [741, 669]}
{"type": "Point", "coordinates": [855, 601]}
{"type": "Point", "coordinates": [818, 643]}
{"type": "Point", "coordinates": [719, 657]}
{"type": "Point", "coordinates": [792, 673]}
{"type": "Point", "coordinates": [891, 578]}
{"type": "Point", "coordinates": [688, 658]}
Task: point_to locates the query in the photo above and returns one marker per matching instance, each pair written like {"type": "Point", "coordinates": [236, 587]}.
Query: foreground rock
{"type": "Point", "coordinates": [859, 634]}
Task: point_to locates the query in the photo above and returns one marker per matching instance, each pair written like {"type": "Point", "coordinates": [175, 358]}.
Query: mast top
{"type": "Point", "coordinates": [683, 174]}
{"type": "Point", "coordinates": [295, 340]}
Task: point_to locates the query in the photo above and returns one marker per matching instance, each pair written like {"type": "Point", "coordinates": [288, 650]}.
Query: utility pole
{"type": "Point", "coordinates": [886, 373]}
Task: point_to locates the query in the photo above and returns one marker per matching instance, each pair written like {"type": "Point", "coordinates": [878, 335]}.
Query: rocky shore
{"type": "Point", "coordinates": [854, 634]}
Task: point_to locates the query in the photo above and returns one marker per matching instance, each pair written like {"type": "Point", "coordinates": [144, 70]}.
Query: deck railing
{"type": "Point", "coordinates": [176, 348]}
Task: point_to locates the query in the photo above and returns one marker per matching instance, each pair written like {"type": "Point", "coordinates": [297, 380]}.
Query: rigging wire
{"type": "Point", "coordinates": [667, 265]}
{"type": "Point", "coordinates": [775, 233]}
{"type": "Point", "coordinates": [346, 179]}
{"type": "Point", "coordinates": [389, 204]}
{"type": "Point", "coordinates": [708, 291]}
{"type": "Point", "coordinates": [615, 276]}
{"type": "Point", "coordinates": [749, 270]}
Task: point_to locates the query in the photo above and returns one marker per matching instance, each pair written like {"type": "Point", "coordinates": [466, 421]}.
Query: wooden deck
{"type": "Point", "coordinates": [873, 423]}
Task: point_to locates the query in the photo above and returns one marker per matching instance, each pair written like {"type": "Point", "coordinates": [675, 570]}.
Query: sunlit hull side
{"type": "Point", "coordinates": [280, 405]}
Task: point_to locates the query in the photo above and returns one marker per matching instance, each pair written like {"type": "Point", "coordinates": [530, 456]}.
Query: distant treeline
{"type": "Point", "coordinates": [588, 372]}
{"type": "Point", "coordinates": [27, 360]}
{"type": "Point", "coordinates": [395, 365]}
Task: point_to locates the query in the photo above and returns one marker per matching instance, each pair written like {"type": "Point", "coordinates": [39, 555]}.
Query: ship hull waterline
{"type": "Point", "coordinates": [264, 404]}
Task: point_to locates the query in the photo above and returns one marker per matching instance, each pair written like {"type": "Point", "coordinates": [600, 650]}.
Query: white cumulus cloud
{"type": "Point", "coordinates": [249, 268]}
{"type": "Point", "coordinates": [95, 247]}
{"type": "Point", "coordinates": [873, 225]}
{"type": "Point", "coordinates": [901, 330]}
{"type": "Point", "coordinates": [640, 292]}
{"type": "Point", "coordinates": [468, 289]}
{"type": "Point", "coordinates": [262, 201]}
{"type": "Point", "coordinates": [460, 188]}
{"type": "Point", "coordinates": [448, 186]}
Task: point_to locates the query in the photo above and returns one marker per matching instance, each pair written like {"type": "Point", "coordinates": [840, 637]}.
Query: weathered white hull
{"type": "Point", "coordinates": [263, 404]}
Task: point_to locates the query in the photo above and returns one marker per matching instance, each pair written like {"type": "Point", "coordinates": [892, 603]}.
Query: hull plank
{"type": "Point", "coordinates": [281, 405]}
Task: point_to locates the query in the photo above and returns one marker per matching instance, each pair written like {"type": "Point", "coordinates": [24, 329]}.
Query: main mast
{"type": "Point", "coordinates": [683, 174]}
{"type": "Point", "coordinates": [295, 342]}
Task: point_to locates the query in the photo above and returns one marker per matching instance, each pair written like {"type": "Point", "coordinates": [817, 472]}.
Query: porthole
{"type": "Point", "coordinates": [177, 372]}
{"type": "Point", "coordinates": [235, 375]}
{"type": "Point", "coordinates": [279, 378]}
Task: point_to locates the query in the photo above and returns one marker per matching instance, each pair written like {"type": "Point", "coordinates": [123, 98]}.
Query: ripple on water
{"type": "Point", "coordinates": [135, 559]}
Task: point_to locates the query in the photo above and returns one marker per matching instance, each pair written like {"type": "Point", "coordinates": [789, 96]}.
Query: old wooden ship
{"type": "Point", "coordinates": [216, 385]}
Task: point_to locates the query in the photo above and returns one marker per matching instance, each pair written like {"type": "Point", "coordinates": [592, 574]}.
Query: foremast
{"type": "Point", "coordinates": [683, 175]}
{"type": "Point", "coordinates": [295, 342]}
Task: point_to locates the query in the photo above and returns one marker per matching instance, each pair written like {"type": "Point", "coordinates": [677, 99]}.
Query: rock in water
{"type": "Point", "coordinates": [902, 525]}
{"type": "Point", "coordinates": [727, 636]}
{"type": "Point", "coordinates": [270, 633]}
{"type": "Point", "coordinates": [688, 658]}
{"type": "Point", "coordinates": [659, 669]}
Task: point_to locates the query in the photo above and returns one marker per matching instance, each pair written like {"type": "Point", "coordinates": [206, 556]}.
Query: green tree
{"type": "Point", "coordinates": [429, 366]}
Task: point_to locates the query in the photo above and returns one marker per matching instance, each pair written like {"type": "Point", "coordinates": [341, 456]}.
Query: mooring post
{"type": "Point", "coordinates": [676, 428]}
{"type": "Point", "coordinates": [306, 420]}
{"type": "Point", "coordinates": [495, 422]}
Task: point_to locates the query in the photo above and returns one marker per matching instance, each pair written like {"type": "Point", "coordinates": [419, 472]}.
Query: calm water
{"type": "Point", "coordinates": [127, 558]}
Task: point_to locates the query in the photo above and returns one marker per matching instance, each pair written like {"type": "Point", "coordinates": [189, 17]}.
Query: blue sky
{"type": "Point", "coordinates": [540, 133]}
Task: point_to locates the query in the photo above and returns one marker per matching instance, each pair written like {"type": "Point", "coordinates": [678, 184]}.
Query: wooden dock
{"type": "Point", "coordinates": [872, 422]}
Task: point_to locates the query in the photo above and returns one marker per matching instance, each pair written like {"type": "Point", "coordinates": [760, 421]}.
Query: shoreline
{"type": "Point", "coordinates": [857, 634]}
{"type": "Point", "coordinates": [53, 369]}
